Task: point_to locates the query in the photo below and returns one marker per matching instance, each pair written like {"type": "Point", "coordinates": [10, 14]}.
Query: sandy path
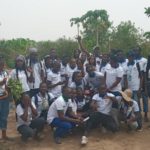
{"type": "Point", "coordinates": [97, 141]}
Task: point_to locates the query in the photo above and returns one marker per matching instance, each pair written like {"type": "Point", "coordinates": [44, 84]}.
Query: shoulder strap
{"type": "Point", "coordinates": [138, 67]}
{"type": "Point", "coordinates": [49, 99]}
{"type": "Point", "coordinates": [36, 100]}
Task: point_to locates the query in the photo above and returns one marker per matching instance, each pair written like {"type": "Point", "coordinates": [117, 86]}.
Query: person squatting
{"type": "Point", "coordinates": [85, 91]}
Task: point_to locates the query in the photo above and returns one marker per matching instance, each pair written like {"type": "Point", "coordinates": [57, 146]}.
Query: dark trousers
{"type": "Point", "coordinates": [34, 128]}
{"type": "Point", "coordinates": [98, 118]}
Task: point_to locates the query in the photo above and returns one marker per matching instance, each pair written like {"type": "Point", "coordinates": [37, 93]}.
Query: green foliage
{"type": "Point", "coordinates": [125, 36]}
{"type": "Point", "coordinates": [147, 11]}
{"type": "Point", "coordinates": [16, 88]}
{"type": "Point", "coordinates": [95, 28]}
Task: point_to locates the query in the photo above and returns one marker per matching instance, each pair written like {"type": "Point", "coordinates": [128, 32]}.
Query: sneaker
{"type": "Point", "coordinates": [139, 129]}
{"type": "Point", "coordinates": [84, 140]}
{"type": "Point", "coordinates": [57, 140]}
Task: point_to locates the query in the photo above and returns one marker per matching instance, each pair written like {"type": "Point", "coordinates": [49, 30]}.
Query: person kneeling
{"type": "Point", "coordinates": [57, 115]}
{"type": "Point", "coordinates": [102, 105]}
{"type": "Point", "coordinates": [129, 111]}
{"type": "Point", "coordinates": [27, 123]}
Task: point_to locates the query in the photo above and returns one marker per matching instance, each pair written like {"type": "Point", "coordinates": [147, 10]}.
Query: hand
{"type": "Point", "coordinates": [78, 121]}
{"type": "Point", "coordinates": [29, 69]}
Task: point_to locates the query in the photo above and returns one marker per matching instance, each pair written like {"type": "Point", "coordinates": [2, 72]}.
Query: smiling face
{"type": "Point", "coordinates": [43, 88]}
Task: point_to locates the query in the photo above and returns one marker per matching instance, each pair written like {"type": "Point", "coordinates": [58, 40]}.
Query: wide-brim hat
{"type": "Point", "coordinates": [127, 95]}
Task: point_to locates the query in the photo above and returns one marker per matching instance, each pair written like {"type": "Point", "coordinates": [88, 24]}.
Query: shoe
{"type": "Point", "coordinates": [139, 130]}
{"type": "Point", "coordinates": [57, 140]}
{"type": "Point", "coordinates": [84, 140]}
{"type": "Point", "coordinates": [39, 136]}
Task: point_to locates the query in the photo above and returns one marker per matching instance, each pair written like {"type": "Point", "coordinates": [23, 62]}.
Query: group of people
{"type": "Point", "coordinates": [85, 91]}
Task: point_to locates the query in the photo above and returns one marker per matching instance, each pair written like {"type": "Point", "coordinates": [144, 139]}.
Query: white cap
{"type": "Point", "coordinates": [33, 50]}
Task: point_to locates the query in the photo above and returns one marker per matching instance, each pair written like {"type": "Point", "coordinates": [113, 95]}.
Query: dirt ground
{"type": "Point", "coordinates": [98, 140]}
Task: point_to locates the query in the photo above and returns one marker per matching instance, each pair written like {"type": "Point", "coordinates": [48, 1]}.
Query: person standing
{"type": "Point", "coordinates": [35, 71]}
{"type": "Point", "coordinates": [4, 101]}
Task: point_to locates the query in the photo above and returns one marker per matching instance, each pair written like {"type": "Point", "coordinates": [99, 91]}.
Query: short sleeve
{"type": "Point", "coordinates": [120, 72]}
{"type": "Point", "coordinates": [51, 95]}
{"type": "Point", "coordinates": [59, 105]}
{"type": "Point", "coordinates": [95, 97]}
{"type": "Point", "coordinates": [12, 74]}
{"type": "Point", "coordinates": [72, 85]}
{"type": "Point", "coordinates": [70, 103]}
{"type": "Point", "coordinates": [49, 77]}
{"type": "Point", "coordinates": [19, 110]}
{"type": "Point", "coordinates": [135, 106]}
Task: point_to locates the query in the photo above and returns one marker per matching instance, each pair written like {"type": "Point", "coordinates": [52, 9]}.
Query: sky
{"type": "Point", "coordinates": [50, 19]}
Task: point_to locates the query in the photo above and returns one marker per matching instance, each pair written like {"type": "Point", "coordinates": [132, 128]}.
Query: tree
{"type": "Point", "coordinates": [95, 27]}
{"type": "Point", "coordinates": [125, 36]}
{"type": "Point", "coordinates": [147, 34]}
{"type": "Point", "coordinates": [147, 11]}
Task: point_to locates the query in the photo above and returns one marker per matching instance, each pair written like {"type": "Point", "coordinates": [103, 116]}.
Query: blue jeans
{"type": "Point", "coordinates": [62, 127]}
{"type": "Point", "coordinates": [4, 111]}
{"type": "Point", "coordinates": [136, 97]}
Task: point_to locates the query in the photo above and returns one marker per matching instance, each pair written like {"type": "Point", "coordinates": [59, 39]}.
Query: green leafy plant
{"type": "Point", "coordinates": [16, 89]}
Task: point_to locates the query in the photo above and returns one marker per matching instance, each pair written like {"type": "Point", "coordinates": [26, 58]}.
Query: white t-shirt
{"type": "Point", "coordinates": [42, 102]}
{"type": "Point", "coordinates": [20, 112]}
{"type": "Point", "coordinates": [63, 69]}
{"type": "Point", "coordinates": [3, 75]}
{"type": "Point", "coordinates": [69, 72]}
{"type": "Point", "coordinates": [22, 78]}
{"type": "Point", "coordinates": [143, 63]}
{"type": "Point", "coordinates": [73, 105]}
{"type": "Point", "coordinates": [103, 68]}
{"type": "Point", "coordinates": [133, 77]}
{"type": "Point", "coordinates": [124, 67]}
{"type": "Point", "coordinates": [104, 104]}
{"type": "Point", "coordinates": [111, 75]}
{"type": "Point", "coordinates": [58, 104]}
{"type": "Point", "coordinates": [93, 81]}
{"type": "Point", "coordinates": [81, 104]}
{"type": "Point", "coordinates": [74, 85]}
{"type": "Point", "coordinates": [37, 76]}
{"type": "Point", "coordinates": [55, 78]}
